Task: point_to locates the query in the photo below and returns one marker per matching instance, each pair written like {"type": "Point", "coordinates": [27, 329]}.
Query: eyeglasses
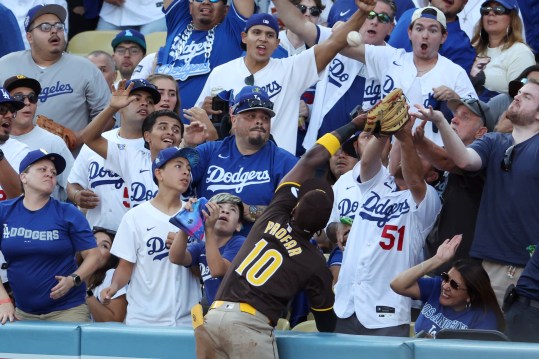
{"type": "Point", "coordinates": [452, 283]}
{"type": "Point", "coordinates": [498, 10]}
{"type": "Point", "coordinates": [47, 27]}
{"type": "Point", "coordinates": [5, 108]}
{"type": "Point", "coordinates": [471, 101]}
{"type": "Point", "coordinates": [32, 98]}
{"type": "Point", "coordinates": [133, 51]}
{"type": "Point", "coordinates": [383, 18]}
{"type": "Point", "coordinates": [109, 232]}
{"type": "Point", "coordinates": [249, 80]}
{"type": "Point", "coordinates": [507, 160]}
{"type": "Point", "coordinates": [313, 10]}
{"type": "Point", "coordinates": [254, 103]}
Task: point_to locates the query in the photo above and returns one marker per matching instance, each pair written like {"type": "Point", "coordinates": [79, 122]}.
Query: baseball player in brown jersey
{"type": "Point", "coordinates": [275, 262]}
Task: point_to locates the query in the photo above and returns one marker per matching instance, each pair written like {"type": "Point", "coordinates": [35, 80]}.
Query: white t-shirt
{"type": "Point", "coordinates": [284, 80]}
{"type": "Point", "coordinates": [347, 196]}
{"type": "Point", "coordinates": [389, 228]}
{"type": "Point", "coordinates": [160, 292]}
{"type": "Point", "coordinates": [134, 165]}
{"type": "Point", "coordinates": [90, 172]}
{"type": "Point", "coordinates": [134, 12]}
{"type": "Point", "coordinates": [395, 68]}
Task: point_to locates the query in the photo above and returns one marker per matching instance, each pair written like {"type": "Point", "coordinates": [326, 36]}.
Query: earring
{"type": "Point", "coordinates": [468, 305]}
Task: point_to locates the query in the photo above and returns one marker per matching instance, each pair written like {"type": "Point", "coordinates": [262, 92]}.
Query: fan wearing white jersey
{"type": "Point", "coordinates": [396, 213]}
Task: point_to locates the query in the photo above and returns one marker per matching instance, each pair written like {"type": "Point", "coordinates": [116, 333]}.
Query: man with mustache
{"type": "Point", "coordinates": [245, 164]}
{"type": "Point", "coordinates": [73, 90]}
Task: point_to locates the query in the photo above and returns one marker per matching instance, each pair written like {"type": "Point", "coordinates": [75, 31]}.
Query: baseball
{"type": "Point", "coordinates": [354, 38]}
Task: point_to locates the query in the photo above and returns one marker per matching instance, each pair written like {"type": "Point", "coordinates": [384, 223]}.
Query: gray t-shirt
{"type": "Point", "coordinates": [73, 89]}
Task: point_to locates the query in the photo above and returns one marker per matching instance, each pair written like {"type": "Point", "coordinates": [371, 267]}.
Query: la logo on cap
{"type": "Point", "coordinates": [5, 94]}
{"type": "Point", "coordinates": [265, 21]}
{"type": "Point", "coordinates": [128, 33]}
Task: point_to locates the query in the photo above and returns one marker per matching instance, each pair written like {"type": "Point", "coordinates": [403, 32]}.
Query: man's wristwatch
{"type": "Point", "coordinates": [253, 211]}
{"type": "Point", "coordinates": [89, 293]}
{"type": "Point", "coordinates": [1, 155]}
{"type": "Point", "coordinates": [76, 279]}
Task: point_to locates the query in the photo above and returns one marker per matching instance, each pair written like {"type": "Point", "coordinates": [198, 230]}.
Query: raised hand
{"type": "Point", "coordinates": [446, 251]}
{"type": "Point", "coordinates": [120, 96]}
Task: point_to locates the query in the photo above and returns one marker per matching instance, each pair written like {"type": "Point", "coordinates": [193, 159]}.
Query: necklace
{"type": "Point", "coordinates": [180, 41]}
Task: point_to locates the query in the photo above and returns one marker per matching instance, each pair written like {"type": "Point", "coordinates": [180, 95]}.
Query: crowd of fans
{"type": "Point", "coordinates": [242, 106]}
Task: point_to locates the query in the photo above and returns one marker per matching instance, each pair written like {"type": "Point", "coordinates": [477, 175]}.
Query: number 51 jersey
{"type": "Point", "coordinates": [276, 261]}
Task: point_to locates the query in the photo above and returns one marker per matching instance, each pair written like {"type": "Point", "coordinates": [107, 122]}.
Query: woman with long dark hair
{"type": "Point", "coordinates": [462, 298]}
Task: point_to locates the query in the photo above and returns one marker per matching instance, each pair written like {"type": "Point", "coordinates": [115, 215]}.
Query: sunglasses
{"type": "Point", "coordinates": [5, 108]}
{"type": "Point", "coordinates": [255, 103]}
{"type": "Point", "coordinates": [383, 18]}
{"type": "Point", "coordinates": [454, 285]}
{"type": "Point", "coordinates": [109, 232]}
{"type": "Point", "coordinates": [471, 101]}
{"type": "Point", "coordinates": [47, 27]}
{"type": "Point", "coordinates": [313, 10]}
{"type": "Point", "coordinates": [32, 98]}
{"type": "Point", "coordinates": [507, 160]}
{"type": "Point", "coordinates": [249, 80]}
{"type": "Point", "coordinates": [498, 10]}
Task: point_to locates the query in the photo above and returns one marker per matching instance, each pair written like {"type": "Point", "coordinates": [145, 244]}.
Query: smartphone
{"type": "Point", "coordinates": [191, 222]}
{"type": "Point", "coordinates": [218, 104]}
{"type": "Point", "coordinates": [356, 111]}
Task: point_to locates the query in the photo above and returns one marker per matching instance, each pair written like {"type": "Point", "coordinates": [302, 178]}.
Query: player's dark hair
{"type": "Point", "coordinates": [479, 288]}
{"type": "Point", "coordinates": [150, 121]}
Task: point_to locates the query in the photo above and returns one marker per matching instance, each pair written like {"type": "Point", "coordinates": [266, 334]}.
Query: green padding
{"type": "Point", "coordinates": [472, 349]}
{"type": "Point", "coordinates": [326, 345]}
{"type": "Point", "coordinates": [46, 338]}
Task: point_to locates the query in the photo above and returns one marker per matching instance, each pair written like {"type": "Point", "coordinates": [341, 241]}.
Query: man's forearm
{"type": "Point", "coordinates": [296, 22]}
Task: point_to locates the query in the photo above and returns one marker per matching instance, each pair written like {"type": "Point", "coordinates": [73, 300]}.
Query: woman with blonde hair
{"type": "Point", "coordinates": [501, 51]}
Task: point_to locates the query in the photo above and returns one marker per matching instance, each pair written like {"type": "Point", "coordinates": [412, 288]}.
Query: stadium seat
{"type": "Point", "coordinates": [154, 41]}
{"type": "Point", "coordinates": [308, 326]}
{"type": "Point", "coordinates": [85, 42]}
{"type": "Point", "coordinates": [472, 334]}
{"type": "Point", "coordinates": [282, 324]}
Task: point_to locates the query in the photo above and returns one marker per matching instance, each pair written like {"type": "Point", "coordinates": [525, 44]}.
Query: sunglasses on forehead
{"type": "Point", "coordinates": [255, 103]}
{"type": "Point", "coordinates": [109, 232]}
{"type": "Point", "coordinates": [498, 10]}
{"type": "Point", "coordinates": [383, 18]}
{"type": "Point", "coordinates": [313, 10]}
{"type": "Point", "coordinates": [452, 283]}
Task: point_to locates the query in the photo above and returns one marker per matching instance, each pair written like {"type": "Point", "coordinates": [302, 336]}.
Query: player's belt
{"type": "Point", "coordinates": [243, 307]}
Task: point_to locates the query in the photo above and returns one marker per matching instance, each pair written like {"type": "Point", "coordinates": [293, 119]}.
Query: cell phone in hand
{"type": "Point", "coordinates": [218, 104]}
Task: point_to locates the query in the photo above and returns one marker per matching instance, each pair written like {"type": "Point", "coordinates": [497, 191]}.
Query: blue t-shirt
{"type": "Point", "coordinates": [198, 254]}
{"type": "Point", "coordinates": [191, 67]}
{"type": "Point", "coordinates": [457, 46]}
{"type": "Point", "coordinates": [335, 258]}
{"type": "Point", "coordinates": [435, 317]}
{"type": "Point", "coordinates": [39, 245]}
{"type": "Point", "coordinates": [10, 36]}
{"type": "Point", "coordinates": [506, 222]}
{"type": "Point", "coordinates": [528, 283]}
{"type": "Point", "coordinates": [253, 178]}
{"type": "Point", "coordinates": [530, 17]}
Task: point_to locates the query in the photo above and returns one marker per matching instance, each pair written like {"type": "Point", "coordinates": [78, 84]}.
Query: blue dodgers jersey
{"type": "Point", "coordinates": [457, 46]}
{"type": "Point", "coordinates": [39, 245]}
{"type": "Point", "coordinates": [191, 68]}
{"type": "Point", "coordinates": [198, 254]}
{"type": "Point", "coordinates": [253, 178]}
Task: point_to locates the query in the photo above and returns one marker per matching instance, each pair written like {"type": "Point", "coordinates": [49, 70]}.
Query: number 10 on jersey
{"type": "Point", "coordinates": [262, 265]}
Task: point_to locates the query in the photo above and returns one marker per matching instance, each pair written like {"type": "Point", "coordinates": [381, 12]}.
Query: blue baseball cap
{"type": "Point", "coordinates": [508, 4]}
{"type": "Point", "coordinates": [129, 35]}
{"type": "Point", "coordinates": [263, 19]}
{"type": "Point", "coordinates": [7, 99]}
{"type": "Point", "coordinates": [36, 155]}
{"type": "Point", "coordinates": [253, 98]}
{"type": "Point", "coordinates": [43, 9]}
{"type": "Point", "coordinates": [167, 154]}
{"type": "Point", "coordinates": [143, 85]}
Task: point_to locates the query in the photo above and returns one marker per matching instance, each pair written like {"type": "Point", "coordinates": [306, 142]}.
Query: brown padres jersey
{"type": "Point", "coordinates": [276, 261]}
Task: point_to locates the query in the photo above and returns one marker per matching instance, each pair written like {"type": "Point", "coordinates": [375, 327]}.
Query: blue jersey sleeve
{"type": "Point", "coordinates": [196, 250]}
{"type": "Point", "coordinates": [232, 247]}
{"type": "Point", "coordinates": [80, 232]}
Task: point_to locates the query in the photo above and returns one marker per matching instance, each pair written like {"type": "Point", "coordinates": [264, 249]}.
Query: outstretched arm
{"type": "Point", "coordinates": [92, 133]}
{"type": "Point", "coordinates": [406, 282]}
{"type": "Point", "coordinates": [327, 50]}
{"type": "Point", "coordinates": [323, 149]}
{"type": "Point", "coordinates": [9, 180]}
{"type": "Point", "coordinates": [433, 153]}
{"type": "Point", "coordinates": [465, 158]}
{"type": "Point", "coordinates": [371, 160]}
{"type": "Point", "coordinates": [296, 22]}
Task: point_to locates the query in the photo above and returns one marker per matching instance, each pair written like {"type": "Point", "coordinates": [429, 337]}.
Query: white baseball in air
{"type": "Point", "coordinates": [354, 39]}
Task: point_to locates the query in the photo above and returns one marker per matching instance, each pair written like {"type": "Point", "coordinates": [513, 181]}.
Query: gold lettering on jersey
{"type": "Point", "coordinates": [284, 237]}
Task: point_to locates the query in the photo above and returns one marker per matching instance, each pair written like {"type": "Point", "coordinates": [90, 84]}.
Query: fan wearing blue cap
{"type": "Point", "coordinates": [502, 53]}
{"type": "Point", "coordinates": [142, 245]}
{"type": "Point", "coordinates": [40, 238]}
{"type": "Point", "coordinates": [129, 48]}
{"type": "Point", "coordinates": [284, 80]}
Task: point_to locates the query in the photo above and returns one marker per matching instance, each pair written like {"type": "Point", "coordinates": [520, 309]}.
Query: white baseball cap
{"type": "Point", "coordinates": [430, 12]}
